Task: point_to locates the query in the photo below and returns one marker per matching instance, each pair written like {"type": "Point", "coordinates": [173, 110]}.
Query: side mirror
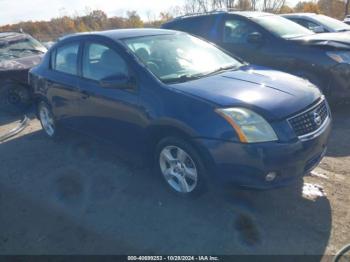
{"type": "Point", "coordinates": [119, 81]}
{"type": "Point", "coordinates": [255, 38]}
{"type": "Point", "coordinates": [318, 29]}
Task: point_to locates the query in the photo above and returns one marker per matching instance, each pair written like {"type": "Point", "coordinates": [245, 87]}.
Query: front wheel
{"type": "Point", "coordinates": [180, 166]}
{"type": "Point", "coordinates": [47, 119]}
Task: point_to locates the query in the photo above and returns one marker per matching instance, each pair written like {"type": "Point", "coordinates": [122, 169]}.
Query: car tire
{"type": "Point", "coordinates": [14, 98]}
{"type": "Point", "coordinates": [47, 120]}
{"type": "Point", "coordinates": [180, 167]}
{"type": "Point", "coordinates": [19, 96]}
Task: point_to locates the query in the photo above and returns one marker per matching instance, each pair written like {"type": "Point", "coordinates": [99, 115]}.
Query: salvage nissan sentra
{"type": "Point", "coordinates": [202, 113]}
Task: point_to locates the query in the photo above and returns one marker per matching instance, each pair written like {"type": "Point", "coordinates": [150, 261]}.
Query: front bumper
{"type": "Point", "coordinates": [248, 164]}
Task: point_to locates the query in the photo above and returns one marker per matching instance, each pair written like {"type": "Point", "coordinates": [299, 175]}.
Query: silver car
{"type": "Point", "coordinates": [318, 23]}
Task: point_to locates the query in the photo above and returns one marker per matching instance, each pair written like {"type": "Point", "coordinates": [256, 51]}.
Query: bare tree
{"type": "Point", "coordinates": [254, 4]}
{"type": "Point", "coordinates": [347, 7]}
{"type": "Point", "coordinates": [197, 6]}
{"type": "Point", "coordinates": [273, 5]}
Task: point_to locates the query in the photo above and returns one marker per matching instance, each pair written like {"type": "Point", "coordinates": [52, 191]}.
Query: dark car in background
{"type": "Point", "coordinates": [271, 40]}
{"type": "Point", "coordinates": [318, 23]}
{"type": "Point", "coordinates": [19, 52]}
{"type": "Point", "coordinates": [200, 112]}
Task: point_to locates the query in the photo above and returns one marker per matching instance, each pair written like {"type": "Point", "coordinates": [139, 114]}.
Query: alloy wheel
{"type": "Point", "coordinates": [47, 120]}
{"type": "Point", "coordinates": [178, 169]}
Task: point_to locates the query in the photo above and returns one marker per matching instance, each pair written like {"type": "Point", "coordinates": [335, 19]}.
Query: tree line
{"type": "Point", "coordinates": [95, 20]}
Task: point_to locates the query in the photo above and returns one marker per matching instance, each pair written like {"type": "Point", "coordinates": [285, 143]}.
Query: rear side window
{"type": "Point", "coordinates": [65, 59]}
{"type": "Point", "coordinates": [100, 61]}
{"type": "Point", "coordinates": [201, 26]}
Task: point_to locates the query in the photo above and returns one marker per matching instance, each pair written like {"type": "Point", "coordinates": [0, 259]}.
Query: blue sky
{"type": "Point", "coordinates": [13, 11]}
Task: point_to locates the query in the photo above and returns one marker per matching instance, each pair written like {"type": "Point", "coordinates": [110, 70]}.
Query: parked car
{"type": "Point", "coordinates": [347, 20]}
{"type": "Point", "coordinates": [18, 53]}
{"type": "Point", "coordinates": [48, 44]}
{"type": "Point", "coordinates": [318, 23]}
{"type": "Point", "coordinates": [270, 40]}
{"type": "Point", "coordinates": [198, 110]}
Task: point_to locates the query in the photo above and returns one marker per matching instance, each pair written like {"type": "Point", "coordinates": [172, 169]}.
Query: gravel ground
{"type": "Point", "coordinates": [77, 196]}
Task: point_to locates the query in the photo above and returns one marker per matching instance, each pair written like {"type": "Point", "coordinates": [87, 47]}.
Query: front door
{"type": "Point", "coordinates": [248, 41]}
{"type": "Point", "coordinates": [110, 113]}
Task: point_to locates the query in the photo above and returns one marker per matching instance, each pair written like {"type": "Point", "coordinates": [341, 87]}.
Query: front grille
{"type": "Point", "coordinates": [308, 121]}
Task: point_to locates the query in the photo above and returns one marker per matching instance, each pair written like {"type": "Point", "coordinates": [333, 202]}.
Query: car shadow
{"type": "Point", "coordinates": [340, 138]}
{"type": "Point", "coordinates": [122, 206]}
{"type": "Point", "coordinates": [8, 118]}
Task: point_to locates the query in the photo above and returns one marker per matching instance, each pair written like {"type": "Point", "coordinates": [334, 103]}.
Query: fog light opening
{"type": "Point", "coordinates": [271, 176]}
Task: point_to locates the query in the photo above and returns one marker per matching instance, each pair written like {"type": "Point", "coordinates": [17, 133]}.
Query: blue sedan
{"type": "Point", "coordinates": [202, 113]}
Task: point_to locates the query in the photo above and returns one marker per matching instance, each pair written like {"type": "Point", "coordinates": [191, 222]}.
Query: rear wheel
{"type": "Point", "coordinates": [47, 119]}
{"type": "Point", "coordinates": [180, 166]}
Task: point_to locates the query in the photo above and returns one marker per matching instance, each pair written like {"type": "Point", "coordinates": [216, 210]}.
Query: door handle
{"type": "Point", "coordinates": [85, 94]}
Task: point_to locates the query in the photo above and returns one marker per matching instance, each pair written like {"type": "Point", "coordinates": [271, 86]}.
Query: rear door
{"type": "Point", "coordinates": [62, 82]}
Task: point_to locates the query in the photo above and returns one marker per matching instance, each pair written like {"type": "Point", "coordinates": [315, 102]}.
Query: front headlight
{"type": "Point", "coordinates": [249, 126]}
{"type": "Point", "coordinates": [340, 56]}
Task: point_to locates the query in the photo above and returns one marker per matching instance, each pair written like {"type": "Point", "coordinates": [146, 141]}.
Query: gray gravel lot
{"type": "Point", "coordinates": [77, 196]}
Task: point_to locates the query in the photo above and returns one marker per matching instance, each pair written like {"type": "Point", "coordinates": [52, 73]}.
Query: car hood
{"type": "Point", "coordinates": [335, 40]}
{"type": "Point", "coordinates": [274, 94]}
{"type": "Point", "coordinates": [20, 63]}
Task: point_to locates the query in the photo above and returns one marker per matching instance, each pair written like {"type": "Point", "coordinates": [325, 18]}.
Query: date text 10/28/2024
{"type": "Point", "coordinates": [173, 258]}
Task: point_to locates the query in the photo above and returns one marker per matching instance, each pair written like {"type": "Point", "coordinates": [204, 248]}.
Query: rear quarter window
{"type": "Point", "coordinates": [65, 58]}
{"type": "Point", "coordinates": [200, 26]}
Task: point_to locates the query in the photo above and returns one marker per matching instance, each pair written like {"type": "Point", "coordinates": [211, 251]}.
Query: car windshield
{"type": "Point", "coordinates": [282, 27]}
{"type": "Point", "coordinates": [16, 48]}
{"type": "Point", "coordinates": [332, 23]}
{"type": "Point", "coordinates": [180, 57]}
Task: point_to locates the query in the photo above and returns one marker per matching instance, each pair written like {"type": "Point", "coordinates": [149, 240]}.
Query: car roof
{"type": "Point", "coordinates": [251, 14]}
{"type": "Point", "coordinates": [299, 15]}
{"type": "Point", "coordinates": [118, 34]}
{"type": "Point", "coordinates": [4, 36]}
{"type": "Point", "coordinates": [247, 14]}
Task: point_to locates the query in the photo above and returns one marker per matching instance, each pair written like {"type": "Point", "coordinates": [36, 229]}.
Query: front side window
{"type": "Point", "coordinates": [100, 62]}
{"type": "Point", "coordinates": [66, 59]}
{"type": "Point", "coordinates": [237, 31]}
{"type": "Point", "coordinates": [179, 57]}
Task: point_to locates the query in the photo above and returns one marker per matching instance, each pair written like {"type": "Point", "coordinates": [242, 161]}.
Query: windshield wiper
{"type": "Point", "coordinates": [27, 49]}
{"type": "Point", "coordinates": [183, 78]}
{"type": "Point", "coordinates": [223, 69]}
{"type": "Point", "coordinates": [189, 77]}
